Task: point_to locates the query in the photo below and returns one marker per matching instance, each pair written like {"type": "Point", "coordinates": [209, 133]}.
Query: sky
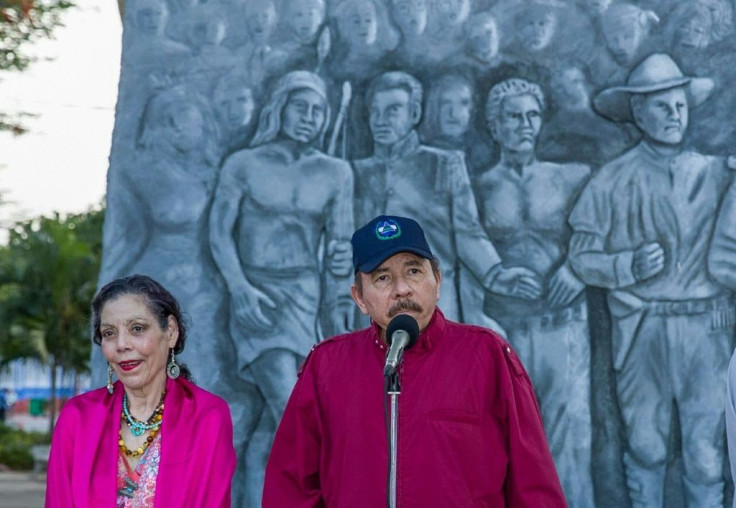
{"type": "Point", "coordinates": [60, 165]}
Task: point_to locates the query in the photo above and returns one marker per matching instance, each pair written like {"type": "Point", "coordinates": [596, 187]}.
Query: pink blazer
{"type": "Point", "coordinates": [197, 454]}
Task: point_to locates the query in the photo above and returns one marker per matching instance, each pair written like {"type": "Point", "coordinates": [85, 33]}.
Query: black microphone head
{"type": "Point", "coordinates": [405, 323]}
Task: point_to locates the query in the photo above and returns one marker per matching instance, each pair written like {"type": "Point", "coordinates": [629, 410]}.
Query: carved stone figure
{"type": "Point", "coordinates": [234, 106]}
{"type": "Point", "coordinates": [280, 229]}
{"type": "Point", "coordinates": [626, 30]}
{"type": "Point", "coordinates": [523, 204]}
{"type": "Point", "coordinates": [150, 45]}
{"type": "Point", "coordinates": [401, 175]}
{"type": "Point", "coordinates": [574, 132]}
{"type": "Point", "coordinates": [642, 227]}
{"type": "Point", "coordinates": [158, 228]}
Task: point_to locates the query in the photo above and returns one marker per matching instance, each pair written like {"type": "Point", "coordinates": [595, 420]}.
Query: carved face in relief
{"type": "Point", "coordinates": [536, 29]}
{"type": "Point", "coordinates": [569, 88]}
{"type": "Point", "coordinates": [151, 18]}
{"type": "Point", "coordinates": [360, 24]}
{"type": "Point", "coordinates": [456, 107]}
{"type": "Point", "coordinates": [410, 16]}
{"type": "Point", "coordinates": [234, 104]}
{"type": "Point", "coordinates": [624, 39]}
{"type": "Point", "coordinates": [482, 39]}
{"type": "Point", "coordinates": [693, 33]}
{"type": "Point", "coordinates": [184, 127]}
{"type": "Point", "coordinates": [517, 126]}
{"type": "Point", "coordinates": [391, 116]}
{"type": "Point", "coordinates": [303, 115]}
{"type": "Point", "coordinates": [260, 18]}
{"type": "Point", "coordinates": [662, 116]}
{"type": "Point", "coordinates": [597, 7]}
{"type": "Point", "coordinates": [304, 17]}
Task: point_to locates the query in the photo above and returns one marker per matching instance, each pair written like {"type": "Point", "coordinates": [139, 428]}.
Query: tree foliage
{"type": "Point", "coordinates": [21, 23]}
{"type": "Point", "coordinates": [48, 275]}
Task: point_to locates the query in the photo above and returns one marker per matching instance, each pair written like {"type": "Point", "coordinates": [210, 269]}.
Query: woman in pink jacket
{"type": "Point", "coordinates": [151, 439]}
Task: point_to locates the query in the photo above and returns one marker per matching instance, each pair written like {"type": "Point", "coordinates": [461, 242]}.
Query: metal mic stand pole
{"type": "Point", "coordinates": [393, 390]}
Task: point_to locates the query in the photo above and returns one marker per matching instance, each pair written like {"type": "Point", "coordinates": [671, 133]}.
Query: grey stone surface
{"type": "Point", "coordinates": [230, 181]}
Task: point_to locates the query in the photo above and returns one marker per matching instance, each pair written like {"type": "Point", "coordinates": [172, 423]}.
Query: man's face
{"type": "Point", "coordinates": [234, 106]}
{"type": "Point", "coordinates": [303, 116]}
{"type": "Point", "coordinates": [410, 16]}
{"type": "Point", "coordinates": [518, 123]}
{"type": "Point", "coordinates": [361, 25]}
{"type": "Point", "coordinates": [456, 105]}
{"type": "Point", "coordinates": [483, 40]}
{"type": "Point", "coordinates": [663, 116]}
{"type": "Point", "coordinates": [624, 40]}
{"type": "Point", "coordinates": [536, 30]}
{"type": "Point", "coordinates": [304, 18]}
{"type": "Point", "coordinates": [569, 88]}
{"type": "Point", "coordinates": [260, 19]}
{"type": "Point", "coordinates": [391, 116]}
{"type": "Point", "coordinates": [403, 284]}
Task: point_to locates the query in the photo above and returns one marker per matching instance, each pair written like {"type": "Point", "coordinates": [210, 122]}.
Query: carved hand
{"type": "Point", "coordinates": [518, 282]}
{"type": "Point", "coordinates": [648, 261]}
{"type": "Point", "coordinates": [339, 257]}
{"type": "Point", "coordinates": [245, 306]}
{"type": "Point", "coordinates": [563, 287]}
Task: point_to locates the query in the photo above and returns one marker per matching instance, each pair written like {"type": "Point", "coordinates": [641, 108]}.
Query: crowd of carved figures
{"type": "Point", "coordinates": [253, 136]}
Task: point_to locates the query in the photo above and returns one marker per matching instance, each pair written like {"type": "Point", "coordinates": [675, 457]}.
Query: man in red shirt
{"type": "Point", "coordinates": [469, 429]}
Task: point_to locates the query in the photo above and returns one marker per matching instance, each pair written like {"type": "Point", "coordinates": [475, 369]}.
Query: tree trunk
{"type": "Point", "coordinates": [52, 398]}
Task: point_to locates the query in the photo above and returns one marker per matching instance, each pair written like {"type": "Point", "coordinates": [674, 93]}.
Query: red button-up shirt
{"type": "Point", "coordinates": [470, 433]}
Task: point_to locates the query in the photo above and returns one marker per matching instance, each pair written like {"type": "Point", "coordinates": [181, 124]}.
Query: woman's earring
{"type": "Point", "coordinates": [172, 369]}
{"type": "Point", "coordinates": [109, 379]}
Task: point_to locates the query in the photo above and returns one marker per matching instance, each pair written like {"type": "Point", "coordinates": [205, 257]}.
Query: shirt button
{"type": "Point", "coordinates": [508, 350]}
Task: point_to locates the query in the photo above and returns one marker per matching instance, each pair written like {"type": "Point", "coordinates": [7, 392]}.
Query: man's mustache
{"type": "Point", "coordinates": [404, 305]}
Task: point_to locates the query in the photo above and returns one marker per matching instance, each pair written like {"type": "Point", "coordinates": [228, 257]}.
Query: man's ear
{"type": "Point", "coordinates": [358, 298]}
{"type": "Point", "coordinates": [416, 114]}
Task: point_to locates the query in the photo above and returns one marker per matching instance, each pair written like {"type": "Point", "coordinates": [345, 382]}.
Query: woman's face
{"type": "Point", "coordinates": [260, 20]}
{"type": "Point", "coordinates": [304, 18]}
{"type": "Point", "coordinates": [692, 34]}
{"type": "Point", "coordinates": [623, 42]}
{"type": "Point", "coordinates": [134, 343]}
{"type": "Point", "coordinates": [184, 129]}
{"type": "Point", "coordinates": [361, 25]}
{"type": "Point", "coordinates": [234, 106]}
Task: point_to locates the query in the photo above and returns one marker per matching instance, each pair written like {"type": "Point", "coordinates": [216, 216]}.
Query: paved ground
{"type": "Point", "coordinates": [22, 490]}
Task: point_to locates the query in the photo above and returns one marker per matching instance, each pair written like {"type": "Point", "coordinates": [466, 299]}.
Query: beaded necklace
{"type": "Point", "coordinates": [137, 427]}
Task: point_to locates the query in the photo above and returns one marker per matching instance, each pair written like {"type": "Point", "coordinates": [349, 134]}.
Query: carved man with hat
{"type": "Point", "coordinates": [642, 229]}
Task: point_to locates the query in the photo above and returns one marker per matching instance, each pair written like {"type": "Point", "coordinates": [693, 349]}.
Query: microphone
{"type": "Point", "coordinates": [401, 333]}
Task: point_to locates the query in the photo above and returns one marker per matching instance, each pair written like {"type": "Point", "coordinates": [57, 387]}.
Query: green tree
{"type": "Point", "coordinates": [48, 275]}
{"type": "Point", "coordinates": [23, 22]}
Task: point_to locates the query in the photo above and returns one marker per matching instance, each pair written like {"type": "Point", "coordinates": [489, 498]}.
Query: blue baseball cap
{"type": "Point", "coordinates": [385, 236]}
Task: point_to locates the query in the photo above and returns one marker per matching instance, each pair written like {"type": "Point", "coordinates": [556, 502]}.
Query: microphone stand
{"type": "Point", "coordinates": [394, 390]}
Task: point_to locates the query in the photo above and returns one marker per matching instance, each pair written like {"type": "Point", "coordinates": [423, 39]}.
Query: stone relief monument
{"type": "Point", "coordinates": [567, 159]}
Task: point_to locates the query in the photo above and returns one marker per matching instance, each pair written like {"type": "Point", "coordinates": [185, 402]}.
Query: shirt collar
{"type": "Point", "coordinates": [656, 158]}
{"type": "Point", "coordinates": [427, 337]}
{"type": "Point", "coordinates": [401, 148]}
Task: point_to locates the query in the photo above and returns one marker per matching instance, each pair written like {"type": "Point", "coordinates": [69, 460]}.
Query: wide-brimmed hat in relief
{"type": "Point", "coordinates": [655, 73]}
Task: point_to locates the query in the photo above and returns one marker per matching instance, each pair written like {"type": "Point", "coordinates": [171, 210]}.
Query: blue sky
{"type": "Point", "coordinates": [61, 164]}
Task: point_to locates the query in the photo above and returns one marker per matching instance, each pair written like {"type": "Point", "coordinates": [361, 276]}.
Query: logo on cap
{"type": "Point", "coordinates": [387, 230]}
